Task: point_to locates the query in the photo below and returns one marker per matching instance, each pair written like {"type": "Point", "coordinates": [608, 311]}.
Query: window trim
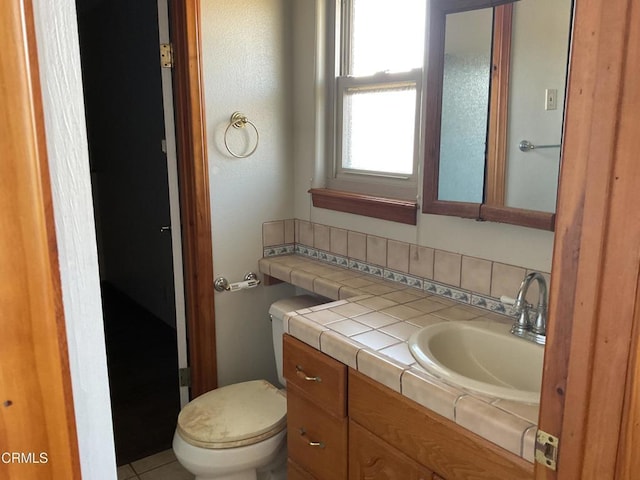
{"type": "Point", "coordinates": [400, 211]}
{"type": "Point", "coordinates": [369, 183]}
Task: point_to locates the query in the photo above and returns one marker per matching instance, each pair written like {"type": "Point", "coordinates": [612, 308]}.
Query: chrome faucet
{"type": "Point", "coordinates": [524, 327]}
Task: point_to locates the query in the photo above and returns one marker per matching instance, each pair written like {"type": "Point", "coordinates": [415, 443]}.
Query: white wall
{"type": "Point", "coordinates": [509, 244]}
{"type": "Point", "coordinates": [59, 61]}
{"type": "Point", "coordinates": [538, 62]}
{"type": "Point", "coordinates": [246, 68]}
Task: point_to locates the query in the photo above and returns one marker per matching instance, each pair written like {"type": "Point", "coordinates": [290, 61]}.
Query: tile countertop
{"type": "Point", "coordinates": [367, 328]}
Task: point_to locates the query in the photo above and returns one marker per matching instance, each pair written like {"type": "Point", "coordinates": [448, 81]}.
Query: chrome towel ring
{"type": "Point", "coordinates": [240, 120]}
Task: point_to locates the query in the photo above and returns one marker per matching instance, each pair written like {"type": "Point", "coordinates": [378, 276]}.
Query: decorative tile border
{"type": "Point", "coordinates": [306, 251]}
{"type": "Point", "coordinates": [492, 304]}
{"type": "Point", "coordinates": [279, 250]}
{"type": "Point", "coordinates": [429, 286]}
{"type": "Point", "coordinates": [447, 291]}
{"type": "Point", "coordinates": [333, 259]}
{"type": "Point", "coordinates": [403, 279]}
{"type": "Point", "coordinates": [366, 268]}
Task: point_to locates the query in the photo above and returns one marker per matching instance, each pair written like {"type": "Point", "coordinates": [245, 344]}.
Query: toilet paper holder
{"type": "Point", "coordinates": [221, 284]}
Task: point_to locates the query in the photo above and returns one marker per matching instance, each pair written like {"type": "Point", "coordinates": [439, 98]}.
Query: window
{"type": "Point", "coordinates": [376, 117]}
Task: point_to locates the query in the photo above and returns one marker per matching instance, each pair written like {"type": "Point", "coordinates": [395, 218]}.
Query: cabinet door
{"type": "Point", "coordinates": [295, 472]}
{"type": "Point", "coordinates": [371, 458]}
{"type": "Point", "coordinates": [428, 438]}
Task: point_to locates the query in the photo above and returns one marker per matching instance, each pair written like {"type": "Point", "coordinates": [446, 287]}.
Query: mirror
{"type": "Point", "coordinates": [496, 77]}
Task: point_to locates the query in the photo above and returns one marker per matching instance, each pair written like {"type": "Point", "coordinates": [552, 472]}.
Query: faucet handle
{"type": "Point", "coordinates": [514, 301]}
{"type": "Point", "coordinates": [507, 300]}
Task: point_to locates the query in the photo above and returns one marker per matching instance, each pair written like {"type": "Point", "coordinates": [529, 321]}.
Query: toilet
{"type": "Point", "coordinates": [238, 432]}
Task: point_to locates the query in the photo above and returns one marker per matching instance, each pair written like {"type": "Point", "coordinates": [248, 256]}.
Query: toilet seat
{"type": "Point", "coordinates": [236, 415]}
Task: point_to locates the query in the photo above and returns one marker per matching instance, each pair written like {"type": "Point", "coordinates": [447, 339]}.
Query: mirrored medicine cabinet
{"type": "Point", "coordinates": [494, 110]}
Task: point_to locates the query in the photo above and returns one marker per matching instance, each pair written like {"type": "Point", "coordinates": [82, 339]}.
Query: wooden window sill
{"type": "Point", "coordinates": [401, 211]}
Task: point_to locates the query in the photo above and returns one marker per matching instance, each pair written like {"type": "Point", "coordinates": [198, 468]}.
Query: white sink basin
{"type": "Point", "coordinates": [483, 358]}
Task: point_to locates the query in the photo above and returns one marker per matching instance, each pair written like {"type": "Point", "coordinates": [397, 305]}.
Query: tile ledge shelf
{"type": "Point", "coordinates": [386, 305]}
{"type": "Point", "coordinates": [429, 286]}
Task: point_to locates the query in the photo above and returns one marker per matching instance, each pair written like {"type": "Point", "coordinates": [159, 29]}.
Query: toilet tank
{"type": "Point", "coordinates": [277, 312]}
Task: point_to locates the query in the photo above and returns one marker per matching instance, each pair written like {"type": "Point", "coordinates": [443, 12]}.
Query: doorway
{"type": "Point", "coordinates": [135, 223]}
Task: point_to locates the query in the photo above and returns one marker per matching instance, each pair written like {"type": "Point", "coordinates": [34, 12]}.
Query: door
{"type": "Point", "coordinates": [133, 157]}
{"type": "Point", "coordinates": [40, 369]}
{"type": "Point", "coordinates": [589, 382]}
{"type": "Point", "coordinates": [129, 165]}
{"type": "Point", "coordinates": [174, 199]}
{"type": "Point", "coordinates": [134, 175]}
{"type": "Point", "coordinates": [36, 404]}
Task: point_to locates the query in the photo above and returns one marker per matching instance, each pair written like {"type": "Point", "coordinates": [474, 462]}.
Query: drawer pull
{"type": "Point", "coordinates": [300, 373]}
{"type": "Point", "coordinates": [303, 433]}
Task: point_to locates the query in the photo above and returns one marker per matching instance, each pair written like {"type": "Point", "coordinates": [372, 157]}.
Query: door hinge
{"type": "Point", "coordinates": [185, 377]}
{"type": "Point", "coordinates": [547, 449]}
{"type": "Point", "coordinates": [166, 55]}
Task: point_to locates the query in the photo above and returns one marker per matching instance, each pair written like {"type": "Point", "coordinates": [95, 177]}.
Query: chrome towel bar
{"type": "Point", "coordinates": [526, 145]}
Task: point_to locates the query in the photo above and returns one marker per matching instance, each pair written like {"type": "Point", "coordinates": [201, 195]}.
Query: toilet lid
{"type": "Point", "coordinates": [233, 416]}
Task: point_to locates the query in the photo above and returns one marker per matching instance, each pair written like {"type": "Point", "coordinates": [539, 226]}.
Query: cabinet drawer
{"type": "Point", "coordinates": [371, 458]}
{"type": "Point", "coordinates": [322, 379]}
{"type": "Point", "coordinates": [316, 441]}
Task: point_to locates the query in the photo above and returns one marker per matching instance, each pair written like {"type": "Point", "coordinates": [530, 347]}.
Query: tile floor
{"type": "Point", "coordinates": [161, 466]}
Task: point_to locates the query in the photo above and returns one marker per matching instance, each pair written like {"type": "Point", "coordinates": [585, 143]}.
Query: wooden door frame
{"type": "Point", "coordinates": [596, 261]}
{"type": "Point", "coordinates": [36, 399]}
{"type": "Point", "coordinates": [195, 206]}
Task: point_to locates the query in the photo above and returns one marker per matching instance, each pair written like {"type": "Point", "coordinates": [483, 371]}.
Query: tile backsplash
{"type": "Point", "coordinates": [469, 279]}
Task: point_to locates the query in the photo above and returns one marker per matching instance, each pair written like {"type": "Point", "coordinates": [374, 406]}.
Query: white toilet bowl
{"type": "Point", "coordinates": [238, 432]}
{"type": "Point", "coordinates": [265, 460]}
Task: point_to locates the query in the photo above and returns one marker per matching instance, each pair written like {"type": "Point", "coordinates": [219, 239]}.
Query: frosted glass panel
{"type": "Point", "coordinates": [378, 130]}
{"type": "Point", "coordinates": [387, 35]}
{"type": "Point", "coordinates": [465, 106]}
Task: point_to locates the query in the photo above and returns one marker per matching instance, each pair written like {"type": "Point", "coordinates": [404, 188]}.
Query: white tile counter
{"type": "Point", "coordinates": [367, 328]}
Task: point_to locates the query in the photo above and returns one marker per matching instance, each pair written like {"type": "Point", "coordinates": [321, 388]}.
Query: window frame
{"type": "Point", "coordinates": [370, 183]}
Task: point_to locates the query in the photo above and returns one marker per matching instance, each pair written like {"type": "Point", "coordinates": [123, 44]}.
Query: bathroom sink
{"type": "Point", "coordinates": [483, 358]}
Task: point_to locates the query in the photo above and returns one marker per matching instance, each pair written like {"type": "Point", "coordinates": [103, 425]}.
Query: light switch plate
{"type": "Point", "coordinates": [551, 99]}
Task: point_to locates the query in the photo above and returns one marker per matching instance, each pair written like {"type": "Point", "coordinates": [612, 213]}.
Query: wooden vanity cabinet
{"type": "Point", "coordinates": [384, 437]}
{"type": "Point", "coordinates": [317, 424]}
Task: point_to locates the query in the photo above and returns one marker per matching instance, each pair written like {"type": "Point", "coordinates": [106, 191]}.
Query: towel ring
{"type": "Point", "coordinates": [240, 120]}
